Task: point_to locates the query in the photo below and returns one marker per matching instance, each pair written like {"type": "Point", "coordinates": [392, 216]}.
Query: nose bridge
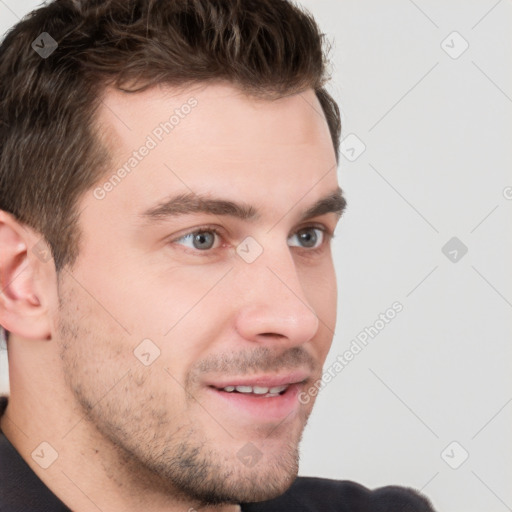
{"type": "Point", "coordinates": [275, 267]}
{"type": "Point", "coordinates": [273, 300]}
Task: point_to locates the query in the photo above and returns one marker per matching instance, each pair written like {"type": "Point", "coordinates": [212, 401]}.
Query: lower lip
{"type": "Point", "coordinates": [261, 409]}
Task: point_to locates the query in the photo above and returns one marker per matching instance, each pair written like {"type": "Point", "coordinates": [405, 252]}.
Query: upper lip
{"type": "Point", "coordinates": [268, 381]}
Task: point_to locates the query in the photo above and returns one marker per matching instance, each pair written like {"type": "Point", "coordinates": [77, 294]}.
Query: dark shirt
{"type": "Point", "coordinates": [21, 490]}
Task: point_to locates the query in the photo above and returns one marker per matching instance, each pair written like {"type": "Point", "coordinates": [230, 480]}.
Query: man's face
{"type": "Point", "coordinates": [160, 313]}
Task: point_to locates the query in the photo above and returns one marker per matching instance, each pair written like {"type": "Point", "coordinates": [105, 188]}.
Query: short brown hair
{"type": "Point", "coordinates": [50, 153]}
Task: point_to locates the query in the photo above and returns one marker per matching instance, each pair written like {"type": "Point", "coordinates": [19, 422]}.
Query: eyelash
{"type": "Point", "coordinates": [327, 235]}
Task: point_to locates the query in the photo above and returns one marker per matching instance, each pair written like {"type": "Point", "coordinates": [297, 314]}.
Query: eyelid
{"type": "Point", "coordinates": [326, 229]}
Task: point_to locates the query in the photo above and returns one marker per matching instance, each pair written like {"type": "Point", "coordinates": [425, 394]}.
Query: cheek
{"type": "Point", "coordinates": [155, 301]}
{"type": "Point", "coordinates": [181, 311]}
{"type": "Point", "coordinates": [186, 320]}
{"type": "Point", "coordinates": [106, 372]}
{"type": "Point", "coordinates": [320, 288]}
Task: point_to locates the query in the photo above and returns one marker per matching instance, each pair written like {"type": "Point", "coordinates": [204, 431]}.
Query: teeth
{"type": "Point", "coordinates": [257, 390]}
{"type": "Point", "coordinates": [277, 389]}
{"type": "Point", "coordinates": [244, 389]}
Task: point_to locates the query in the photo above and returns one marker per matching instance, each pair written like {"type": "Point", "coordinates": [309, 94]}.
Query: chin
{"type": "Point", "coordinates": [273, 489]}
{"type": "Point", "coordinates": [214, 480]}
{"type": "Point", "coordinates": [248, 488]}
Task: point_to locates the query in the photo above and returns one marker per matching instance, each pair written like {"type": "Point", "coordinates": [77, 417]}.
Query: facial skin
{"type": "Point", "coordinates": [159, 436]}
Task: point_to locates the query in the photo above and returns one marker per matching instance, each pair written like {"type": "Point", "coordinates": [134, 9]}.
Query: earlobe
{"type": "Point", "coordinates": [22, 310]}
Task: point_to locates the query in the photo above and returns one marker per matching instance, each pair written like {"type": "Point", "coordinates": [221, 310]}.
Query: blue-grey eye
{"type": "Point", "coordinates": [309, 238]}
{"type": "Point", "coordinates": [201, 240]}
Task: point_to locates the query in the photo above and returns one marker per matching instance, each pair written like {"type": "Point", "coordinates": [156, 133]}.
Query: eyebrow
{"type": "Point", "coordinates": [191, 203]}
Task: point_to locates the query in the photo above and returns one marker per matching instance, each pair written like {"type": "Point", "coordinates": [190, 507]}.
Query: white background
{"type": "Point", "coordinates": [437, 164]}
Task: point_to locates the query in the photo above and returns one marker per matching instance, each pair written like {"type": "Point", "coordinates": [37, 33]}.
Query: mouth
{"type": "Point", "coordinates": [265, 399]}
{"type": "Point", "coordinates": [259, 391]}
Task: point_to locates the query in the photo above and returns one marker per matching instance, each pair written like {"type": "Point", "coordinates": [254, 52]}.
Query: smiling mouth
{"type": "Point", "coordinates": [259, 402]}
{"type": "Point", "coordinates": [258, 391]}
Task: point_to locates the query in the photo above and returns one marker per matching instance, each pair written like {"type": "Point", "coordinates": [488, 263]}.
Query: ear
{"type": "Point", "coordinates": [23, 308]}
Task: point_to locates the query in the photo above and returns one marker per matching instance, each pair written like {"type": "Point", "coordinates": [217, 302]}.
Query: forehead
{"type": "Point", "coordinates": [215, 139]}
{"type": "Point", "coordinates": [204, 117]}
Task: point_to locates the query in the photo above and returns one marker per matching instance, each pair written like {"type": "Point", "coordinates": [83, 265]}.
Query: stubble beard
{"type": "Point", "coordinates": [145, 447]}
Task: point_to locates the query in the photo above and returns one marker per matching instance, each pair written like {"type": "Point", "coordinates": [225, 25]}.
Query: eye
{"type": "Point", "coordinates": [201, 240]}
{"type": "Point", "coordinates": [311, 237]}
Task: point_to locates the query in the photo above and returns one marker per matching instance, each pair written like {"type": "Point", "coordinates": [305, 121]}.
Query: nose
{"type": "Point", "coordinates": [273, 307]}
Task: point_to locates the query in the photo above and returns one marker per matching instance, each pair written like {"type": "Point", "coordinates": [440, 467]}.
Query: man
{"type": "Point", "coordinates": [169, 190]}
